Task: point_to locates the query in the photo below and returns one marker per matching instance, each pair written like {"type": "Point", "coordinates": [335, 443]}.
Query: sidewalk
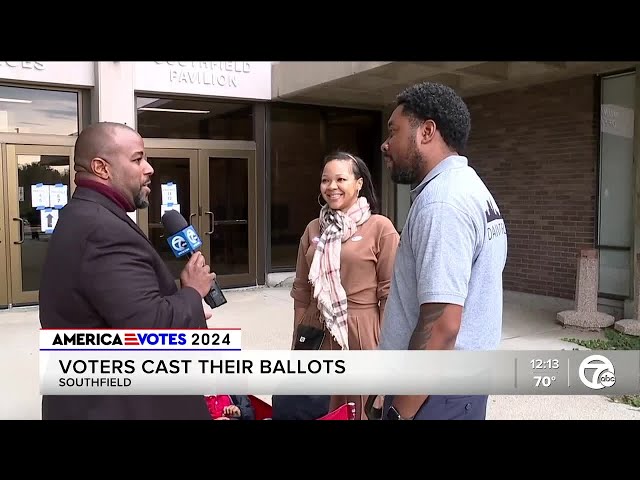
{"type": "Point", "coordinates": [265, 315]}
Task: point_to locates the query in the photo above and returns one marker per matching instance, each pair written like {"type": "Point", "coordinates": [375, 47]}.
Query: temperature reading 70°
{"type": "Point", "coordinates": [544, 380]}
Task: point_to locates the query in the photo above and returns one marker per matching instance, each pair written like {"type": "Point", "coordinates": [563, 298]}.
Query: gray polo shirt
{"type": "Point", "coordinates": [453, 249]}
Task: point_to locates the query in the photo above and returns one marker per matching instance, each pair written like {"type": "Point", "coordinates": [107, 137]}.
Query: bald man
{"type": "Point", "coordinates": [101, 271]}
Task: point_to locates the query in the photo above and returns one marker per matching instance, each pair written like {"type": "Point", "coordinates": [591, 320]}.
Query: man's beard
{"type": "Point", "coordinates": [140, 201]}
{"type": "Point", "coordinates": [409, 174]}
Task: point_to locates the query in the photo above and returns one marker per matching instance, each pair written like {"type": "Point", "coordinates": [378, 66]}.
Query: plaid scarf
{"type": "Point", "coordinates": [324, 274]}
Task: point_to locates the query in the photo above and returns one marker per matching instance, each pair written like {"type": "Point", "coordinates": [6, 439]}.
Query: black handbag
{"type": "Point", "coordinates": [310, 331]}
{"type": "Point", "coordinates": [308, 338]}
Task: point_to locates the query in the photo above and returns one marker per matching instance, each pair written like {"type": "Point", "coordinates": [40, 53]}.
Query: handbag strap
{"type": "Point", "coordinates": [370, 411]}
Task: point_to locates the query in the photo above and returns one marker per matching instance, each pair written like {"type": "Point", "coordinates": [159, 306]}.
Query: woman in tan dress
{"type": "Point", "coordinates": [345, 258]}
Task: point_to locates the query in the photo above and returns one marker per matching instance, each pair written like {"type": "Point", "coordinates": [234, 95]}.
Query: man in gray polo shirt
{"type": "Point", "coordinates": [446, 291]}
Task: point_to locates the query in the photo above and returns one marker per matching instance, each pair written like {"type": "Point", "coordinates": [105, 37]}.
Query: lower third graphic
{"type": "Point", "coordinates": [597, 372]}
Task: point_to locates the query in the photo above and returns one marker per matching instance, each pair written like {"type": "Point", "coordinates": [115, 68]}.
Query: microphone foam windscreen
{"type": "Point", "coordinates": [173, 222]}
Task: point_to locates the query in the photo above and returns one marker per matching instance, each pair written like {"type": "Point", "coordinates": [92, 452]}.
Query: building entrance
{"type": "Point", "coordinates": [35, 179]}
{"type": "Point", "coordinates": [212, 183]}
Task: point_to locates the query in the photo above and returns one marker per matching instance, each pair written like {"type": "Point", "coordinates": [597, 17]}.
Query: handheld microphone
{"type": "Point", "coordinates": [184, 241]}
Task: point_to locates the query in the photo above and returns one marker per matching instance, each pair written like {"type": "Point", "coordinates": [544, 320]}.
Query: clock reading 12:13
{"type": "Point", "coordinates": [540, 364]}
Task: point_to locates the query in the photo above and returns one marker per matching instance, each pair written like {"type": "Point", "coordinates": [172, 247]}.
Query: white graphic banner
{"type": "Point", "coordinates": [186, 364]}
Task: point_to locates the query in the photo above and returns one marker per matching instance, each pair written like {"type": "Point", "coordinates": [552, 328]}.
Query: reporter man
{"type": "Point", "coordinates": [101, 271]}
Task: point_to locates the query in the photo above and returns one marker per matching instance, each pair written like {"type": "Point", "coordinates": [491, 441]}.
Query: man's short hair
{"type": "Point", "coordinates": [440, 103]}
{"type": "Point", "coordinates": [96, 140]}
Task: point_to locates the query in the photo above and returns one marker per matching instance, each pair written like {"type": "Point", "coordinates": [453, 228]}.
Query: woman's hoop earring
{"type": "Point", "coordinates": [319, 196]}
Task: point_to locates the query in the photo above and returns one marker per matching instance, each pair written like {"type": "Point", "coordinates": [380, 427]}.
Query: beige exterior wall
{"type": "Point", "coordinates": [293, 77]}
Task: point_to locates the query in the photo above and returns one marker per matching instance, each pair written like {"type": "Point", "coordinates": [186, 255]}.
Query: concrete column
{"type": "Point", "coordinates": [586, 314]}
{"type": "Point", "coordinates": [113, 97]}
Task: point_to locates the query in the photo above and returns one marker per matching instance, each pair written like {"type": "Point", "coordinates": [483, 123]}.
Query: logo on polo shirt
{"type": "Point", "coordinates": [495, 222]}
{"type": "Point", "coordinates": [492, 212]}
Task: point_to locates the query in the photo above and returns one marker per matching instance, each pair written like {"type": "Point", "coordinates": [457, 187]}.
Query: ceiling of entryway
{"type": "Point", "coordinates": [375, 84]}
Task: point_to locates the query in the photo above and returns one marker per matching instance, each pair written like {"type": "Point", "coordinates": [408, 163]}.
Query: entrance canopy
{"type": "Point", "coordinates": [375, 84]}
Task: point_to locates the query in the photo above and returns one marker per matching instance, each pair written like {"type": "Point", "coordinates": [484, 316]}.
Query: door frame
{"type": "Point", "coordinates": [199, 190]}
{"type": "Point", "coordinates": [192, 155]}
{"type": "Point", "coordinates": [240, 279]}
{"type": "Point", "coordinates": [12, 144]}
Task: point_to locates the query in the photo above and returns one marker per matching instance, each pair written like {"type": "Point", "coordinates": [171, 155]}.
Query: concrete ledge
{"type": "Point", "coordinates": [244, 289]}
{"type": "Point", "coordinates": [628, 326]}
{"type": "Point", "coordinates": [281, 279]}
{"type": "Point", "coordinates": [585, 319]}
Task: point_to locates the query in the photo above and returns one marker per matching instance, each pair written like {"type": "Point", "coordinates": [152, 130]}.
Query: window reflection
{"type": "Point", "coordinates": [31, 110]}
{"type": "Point", "coordinates": [615, 229]}
{"type": "Point", "coordinates": [194, 119]}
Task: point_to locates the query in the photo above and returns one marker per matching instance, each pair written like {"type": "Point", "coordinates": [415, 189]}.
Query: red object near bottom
{"type": "Point", "coordinates": [261, 408]}
{"type": "Point", "coordinates": [344, 412]}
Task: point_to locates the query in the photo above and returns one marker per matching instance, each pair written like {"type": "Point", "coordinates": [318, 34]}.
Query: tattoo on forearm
{"type": "Point", "coordinates": [422, 333]}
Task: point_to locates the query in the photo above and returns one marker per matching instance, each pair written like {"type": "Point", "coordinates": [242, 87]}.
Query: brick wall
{"type": "Point", "coordinates": [536, 149]}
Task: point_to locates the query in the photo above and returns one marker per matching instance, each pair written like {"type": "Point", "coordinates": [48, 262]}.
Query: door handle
{"type": "Point", "coordinates": [210, 224]}
{"type": "Point", "coordinates": [190, 218]}
{"type": "Point", "coordinates": [21, 230]}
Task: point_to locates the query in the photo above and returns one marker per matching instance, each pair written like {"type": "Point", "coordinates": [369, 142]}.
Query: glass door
{"type": "Point", "coordinates": [174, 185]}
{"type": "Point", "coordinates": [227, 197]}
{"type": "Point", "coordinates": [38, 188]}
{"type": "Point", "coordinates": [5, 251]}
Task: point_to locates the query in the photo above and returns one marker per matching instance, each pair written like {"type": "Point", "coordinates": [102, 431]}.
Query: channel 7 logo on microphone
{"type": "Point", "coordinates": [597, 372]}
{"type": "Point", "coordinates": [184, 241]}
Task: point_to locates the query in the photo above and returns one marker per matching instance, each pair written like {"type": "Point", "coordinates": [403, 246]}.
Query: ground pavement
{"type": "Point", "coordinates": [265, 315]}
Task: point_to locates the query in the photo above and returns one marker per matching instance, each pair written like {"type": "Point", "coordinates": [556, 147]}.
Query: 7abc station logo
{"type": "Point", "coordinates": [597, 372]}
{"type": "Point", "coordinates": [180, 245]}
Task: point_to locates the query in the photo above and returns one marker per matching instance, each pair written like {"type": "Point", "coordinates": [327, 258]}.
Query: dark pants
{"type": "Point", "coordinates": [448, 407]}
{"type": "Point", "coordinates": [299, 407]}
